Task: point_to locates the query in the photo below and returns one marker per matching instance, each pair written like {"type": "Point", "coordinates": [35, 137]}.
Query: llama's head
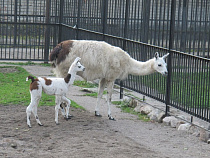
{"type": "Point", "coordinates": [160, 64]}
{"type": "Point", "coordinates": [76, 66]}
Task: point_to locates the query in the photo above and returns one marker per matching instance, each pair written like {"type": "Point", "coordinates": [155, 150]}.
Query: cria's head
{"type": "Point", "coordinates": [76, 66]}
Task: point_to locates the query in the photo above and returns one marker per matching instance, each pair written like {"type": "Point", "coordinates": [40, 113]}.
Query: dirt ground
{"type": "Point", "coordinates": [88, 136]}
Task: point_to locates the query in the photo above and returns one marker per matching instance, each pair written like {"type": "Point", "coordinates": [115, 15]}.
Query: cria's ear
{"type": "Point", "coordinates": [165, 55]}
{"type": "Point", "coordinates": [77, 59]}
{"type": "Point", "coordinates": [156, 55]}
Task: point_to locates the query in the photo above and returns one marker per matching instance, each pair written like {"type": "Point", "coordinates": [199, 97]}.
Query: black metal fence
{"type": "Point", "coordinates": [29, 29]}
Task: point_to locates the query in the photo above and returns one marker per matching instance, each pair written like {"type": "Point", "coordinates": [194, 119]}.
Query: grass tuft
{"type": "Point", "coordinates": [84, 84]}
{"type": "Point", "coordinates": [125, 108]}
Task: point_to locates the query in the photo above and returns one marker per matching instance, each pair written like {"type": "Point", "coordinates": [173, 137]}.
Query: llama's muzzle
{"type": "Point", "coordinates": [165, 73]}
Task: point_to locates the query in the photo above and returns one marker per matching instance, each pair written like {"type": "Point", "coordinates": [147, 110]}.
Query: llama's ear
{"type": "Point", "coordinates": [156, 55]}
{"type": "Point", "coordinates": [165, 55]}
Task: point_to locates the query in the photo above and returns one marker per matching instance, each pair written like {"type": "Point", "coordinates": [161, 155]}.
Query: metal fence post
{"type": "Point", "coordinates": [61, 21]}
{"type": "Point", "coordinates": [47, 31]}
{"type": "Point", "coordinates": [104, 17]}
{"type": "Point", "coordinates": [145, 27]}
{"type": "Point", "coordinates": [145, 21]}
{"type": "Point", "coordinates": [15, 21]}
{"type": "Point", "coordinates": [127, 10]}
{"type": "Point", "coordinates": [78, 19]}
{"type": "Point", "coordinates": [184, 27]}
{"type": "Point", "coordinates": [171, 41]}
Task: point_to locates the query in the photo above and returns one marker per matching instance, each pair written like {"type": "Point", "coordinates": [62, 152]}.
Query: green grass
{"type": "Point", "coordinates": [124, 107]}
{"type": "Point", "coordinates": [187, 89]}
{"type": "Point", "coordinates": [84, 84]}
{"type": "Point", "coordinates": [192, 89]}
{"type": "Point", "coordinates": [75, 105]}
{"type": "Point", "coordinates": [15, 89]}
{"type": "Point", "coordinates": [94, 94]}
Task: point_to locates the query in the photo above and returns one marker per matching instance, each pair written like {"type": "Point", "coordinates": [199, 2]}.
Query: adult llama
{"type": "Point", "coordinates": [104, 62]}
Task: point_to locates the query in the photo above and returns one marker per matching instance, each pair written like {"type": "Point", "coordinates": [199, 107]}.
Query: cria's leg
{"type": "Point", "coordinates": [109, 97]}
{"type": "Point", "coordinates": [101, 87]}
{"type": "Point", "coordinates": [68, 102]}
{"type": "Point", "coordinates": [57, 107]}
{"type": "Point", "coordinates": [34, 110]}
{"type": "Point", "coordinates": [28, 113]}
{"type": "Point", "coordinates": [62, 106]}
{"type": "Point", "coordinates": [35, 97]}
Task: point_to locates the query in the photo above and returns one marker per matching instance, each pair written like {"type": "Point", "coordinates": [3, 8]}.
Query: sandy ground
{"type": "Point", "coordinates": [88, 136]}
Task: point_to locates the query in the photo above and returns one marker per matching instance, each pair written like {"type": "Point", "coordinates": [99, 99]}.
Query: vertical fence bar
{"type": "Point", "coordinates": [184, 27]}
{"type": "Point", "coordinates": [125, 36]}
{"type": "Point", "coordinates": [104, 17]}
{"type": "Point", "coordinates": [78, 19]}
{"type": "Point", "coordinates": [145, 20]}
{"type": "Point", "coordinates": [171, 38]}
{"type": "Point", "coordinates": [47, 31]}
{"type": "Point", "coordinates": [60, 21]}
{"type": "Point", "coordinates": [15, 21]}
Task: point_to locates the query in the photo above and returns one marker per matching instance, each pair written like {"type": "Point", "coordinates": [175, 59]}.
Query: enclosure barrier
{"type": "Point", "coordinates": [29, 29]}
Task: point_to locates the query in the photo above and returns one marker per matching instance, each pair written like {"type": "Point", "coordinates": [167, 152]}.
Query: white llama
{"type": "Point", "coordinates": [52, 86]}
{"type": "Point", "coordinates": [102, 61]}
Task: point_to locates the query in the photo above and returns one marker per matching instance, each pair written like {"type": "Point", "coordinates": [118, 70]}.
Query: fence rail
{"type": "Point", "coordinates": [29, 29]}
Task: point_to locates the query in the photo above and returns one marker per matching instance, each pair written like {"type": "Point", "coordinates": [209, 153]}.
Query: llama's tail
{"type": "Point", "coordinates": [30, 78]}
{"type": "Point", "coordinates": [54, 54]}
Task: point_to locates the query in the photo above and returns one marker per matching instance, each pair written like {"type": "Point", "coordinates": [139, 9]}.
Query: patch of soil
{"type": "Point", "coordinates": [82, 136]}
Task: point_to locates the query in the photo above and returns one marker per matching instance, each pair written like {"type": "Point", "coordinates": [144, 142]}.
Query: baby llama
{"type": "Point", "coordinates": [52, 86]}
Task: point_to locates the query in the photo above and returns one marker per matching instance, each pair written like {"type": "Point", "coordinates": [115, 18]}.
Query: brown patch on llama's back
{"type": "Point", "coordinates": [47, 81]}
{"type": "Point", "coordinates": [60, 52]}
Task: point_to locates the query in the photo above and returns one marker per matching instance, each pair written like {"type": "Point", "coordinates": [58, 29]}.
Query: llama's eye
{"type": "Point", "coordinates": [79, 66]}
{"type": "Point", "coordinates": [159, 65]}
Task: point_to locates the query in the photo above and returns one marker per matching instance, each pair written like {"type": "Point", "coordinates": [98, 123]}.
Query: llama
{"type": "Point", "coordinates": [104, 62]}
{"type": "Point", "coordinates": [52, 86]}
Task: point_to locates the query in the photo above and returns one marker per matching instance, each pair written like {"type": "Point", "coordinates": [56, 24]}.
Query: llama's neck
{"type": "Point", "coordinates": [139, 68]}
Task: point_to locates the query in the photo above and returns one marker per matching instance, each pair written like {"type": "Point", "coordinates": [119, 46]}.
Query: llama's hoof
{"type": "Point", "coordinates": [111, 118]}
{"type": "Point", "coordinates": [97, 114]}
{"type": "Point", "coordinates": [68, 118]}
{"type": "Point", "coordinates": [57, 123]}
{"type": "Point", "coordinates": [40, 124]}
{"type": "Point", "coordinates": [29, 126]}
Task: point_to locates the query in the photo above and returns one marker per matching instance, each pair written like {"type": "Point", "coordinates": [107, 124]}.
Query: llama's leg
{"type": "Point", "coordinates": [101, 87]}
{"type": "Point", "coordinates": [68, 102]}
{"type": "Point", "coordinates": [109, 98]}
{"type": "Point", "coordinates": [57, 107]}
